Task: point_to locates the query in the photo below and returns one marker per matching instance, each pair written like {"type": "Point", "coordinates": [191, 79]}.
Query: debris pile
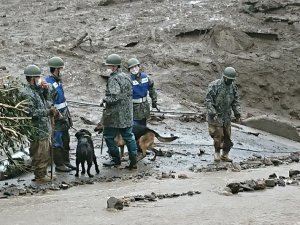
{"type": "Point", "coordinates": [261, 184]}
{"type": "Point", "coordinates": [256, 161]}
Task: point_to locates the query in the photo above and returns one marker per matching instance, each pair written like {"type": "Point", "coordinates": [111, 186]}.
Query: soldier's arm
{"type": "Point", "coordinates": [235, 105]}
{"type": "Point", "coordinates": [152, 91]}
{"type": "Point", "coordinates": [113, 91]}
{"type": "Point", "coordinates": [210, 100]}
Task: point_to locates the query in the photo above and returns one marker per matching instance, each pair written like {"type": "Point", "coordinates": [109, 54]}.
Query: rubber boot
{"type": "Point", "coordinates": [116, 161]}
{"type": "Point", "coordinates": [224, 156]}
{"type": "Point", "coordinates": [133, 162]}
{"type": "Point", "coordinates": [66, 159]}
{"type": "Point", "coordinates": [217, 156]}
{"type": "Point", "coordinates": [58, 160]}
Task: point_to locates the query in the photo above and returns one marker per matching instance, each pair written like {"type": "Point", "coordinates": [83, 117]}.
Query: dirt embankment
{"type": "Point", "coordinates": [183, 44]}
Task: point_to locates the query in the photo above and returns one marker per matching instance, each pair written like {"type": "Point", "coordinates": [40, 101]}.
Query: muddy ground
{"type": "Point", "coordinates": [183, 45]}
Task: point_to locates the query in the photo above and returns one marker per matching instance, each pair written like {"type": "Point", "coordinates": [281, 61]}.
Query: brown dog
{"type": "Point", "coordinates": [144, 137]}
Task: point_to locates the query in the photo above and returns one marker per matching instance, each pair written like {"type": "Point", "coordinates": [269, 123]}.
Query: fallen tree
{"type": "Point", "coordinates": [15, 126]}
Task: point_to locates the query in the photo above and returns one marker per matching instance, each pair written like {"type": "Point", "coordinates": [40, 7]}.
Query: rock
{"type": "Point", "coordinates": [293, 173]}
{"type": "Point", "coordinates": [105, 2]}
{"type": "Point", "coordinates": [234, 187]}
{"type": "Point", "coordinates": [257, 155]}
{"type": "Point", "coordinates": [274, 125]}
{"type": "Point", "coordinates": [275, 55]}
{"type": "Point", "coordinates": [236, 167]}
{"type": "Point", "coordinates": [267, 162]}
{"type": "Point", "coordinates": [182, 176]}
{"type": "Point", "coordinates": [226, 192]}
{"type": "Point", "coordinates": [248, 185]}
{"type": "Point", "coordinates": [190, 193]}
{"type": "Point", "coordinates": [2, 68]}
{"type": "Point", "coordinates": [294, 157]}
{"type": "Point", "coordinates": [115, 203]}
{"type": "Point", "coordinates": [281, 182]}
{"type": "Point", "coordinates": [64, 186]}
{"type": "Point", "coordinates": [260, 185]}
{"type": "Point", "coordinates": [270, 183]}
{"type": "Point", "coordinates": [273, 176]}
{"type": "Point", "coordinates": [175, 195]}
{"type": "Point", "coordinates": [276, 162]}
{"type": "Point", "coordinates": [139, 198]}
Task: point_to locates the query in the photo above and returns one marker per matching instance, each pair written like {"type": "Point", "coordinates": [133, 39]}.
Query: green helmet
{"type": "Point", "coordinates": [56, 62]}
{"type": "Point", "coordinates": [32, 71]}
{"type": "Point", "coordinates": [229, 73]}
{"type": "Point", "coordinates": [133, 62]}
{"type": "Point", "coordinates": [113, 60]}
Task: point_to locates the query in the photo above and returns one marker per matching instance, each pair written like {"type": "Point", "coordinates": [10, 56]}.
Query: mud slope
{"type": "Point", "coordinates": [183, 44]}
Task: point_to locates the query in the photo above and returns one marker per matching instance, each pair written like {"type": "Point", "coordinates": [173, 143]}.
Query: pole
{"type": "Point", "coordinates": [51, 149]}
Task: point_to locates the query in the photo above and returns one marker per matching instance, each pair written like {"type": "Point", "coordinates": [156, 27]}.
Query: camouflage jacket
{"type": "Point", "coordinates": [142, 110]}
{"type": "Point", "coordinates": [118, 99]}
{"type": "Point", "coordinates": [220, 100]}
{"type": "Point", "coordinates": [38, 108]}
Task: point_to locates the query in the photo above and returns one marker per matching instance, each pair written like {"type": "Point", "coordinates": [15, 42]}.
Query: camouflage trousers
{"type": "Point", "coordinates": [222, 137]}
{"type": "Point", "coordinates": [40, 153]}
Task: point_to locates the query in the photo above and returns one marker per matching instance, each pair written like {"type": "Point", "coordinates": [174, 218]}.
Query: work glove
{"type": "Point", "coordinates": [53, 112]}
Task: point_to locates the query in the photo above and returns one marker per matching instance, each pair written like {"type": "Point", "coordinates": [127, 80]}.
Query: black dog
{"type": "Point", "coordinates": [85, 152]}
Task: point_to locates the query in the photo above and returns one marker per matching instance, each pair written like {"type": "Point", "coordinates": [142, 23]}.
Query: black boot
{"type": "Point", "coordinates": [133, 162]}
{"type": "Point", "coordinates": [66, 159]}
{"type": "Point", "coordinates": [58, 160]}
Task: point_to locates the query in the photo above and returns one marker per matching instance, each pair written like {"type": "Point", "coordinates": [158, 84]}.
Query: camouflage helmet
{"type": "Point", "coordinates": [133, 62]}
{"type": "Point", "coordinates": [56, 62]}
{"type": "Point", "coordinates": [113, 60]}
{"type": "Point", "coordinates": [229, 73]}
{"type": "Point", "coordinates": [32, 71]}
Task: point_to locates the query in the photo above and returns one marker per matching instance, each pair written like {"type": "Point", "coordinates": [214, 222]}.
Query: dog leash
{"type": "Point", "coordinates": [74, 128]}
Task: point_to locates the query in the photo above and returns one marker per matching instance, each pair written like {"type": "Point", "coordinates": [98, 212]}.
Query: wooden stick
{"type": "Point", "coordinates": [79, 41]}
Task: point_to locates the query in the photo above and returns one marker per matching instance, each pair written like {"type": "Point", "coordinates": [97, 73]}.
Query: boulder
{"type": "Point", "coordinates": [115, 203]}
{"type": "Point", "coordinates": [274, 125]}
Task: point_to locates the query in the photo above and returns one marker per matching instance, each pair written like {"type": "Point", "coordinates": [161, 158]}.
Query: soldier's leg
{"type": "Point", "coordinates": [218, 136]}
{"type": "Point", "coordinates": [66, 150]}
{"type": "Point", "coordinates": [57, 148]}
{"type": "Point", "coordinates": [227, 144]}
{"type": "Point", "coordinates": [142, 122]}
{"type": "Point", "coordinates": [40, 152]}
{"type": "Point", "coordinates": [109, 134]}
{"type": "Point", "coordinates": [129, 138]}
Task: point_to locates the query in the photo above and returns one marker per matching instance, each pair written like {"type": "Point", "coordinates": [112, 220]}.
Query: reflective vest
{"type": "Point", "coordinates": [60, 100]}
{"type": "Point", "coordinates": [140, 90]}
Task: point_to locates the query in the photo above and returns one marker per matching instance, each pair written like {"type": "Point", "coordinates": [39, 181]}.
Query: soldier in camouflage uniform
{"type": "Point", "coordinates": [142, 84]}
{"type": "Point", "coordinates": [37, 94]}
{"type": "Point", "coordinates": [118, 115]}
{"type": "Point", "coordinates": [61, 136]}
{"type": "Point", "coordinates": [222, 97]}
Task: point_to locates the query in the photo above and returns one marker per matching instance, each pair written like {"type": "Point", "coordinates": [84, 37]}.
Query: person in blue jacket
{"type": "Point", "coordinates": [142, 85]}
{"type": "Point", "coordinates": [61, 136]}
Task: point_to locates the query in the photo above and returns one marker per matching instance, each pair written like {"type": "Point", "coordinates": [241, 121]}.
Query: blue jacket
{"type": "Point", "coordinates": [140, 90]}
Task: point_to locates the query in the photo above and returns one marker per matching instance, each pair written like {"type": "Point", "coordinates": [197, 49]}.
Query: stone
{"type": "Point", "coordinates": [236, 167]}
{"type": "Point", "coordinates": [273, 176]}
{"type": "Point", "coordinates": [270, 183]}
{"type": "Point", "coordinates": [281, 182]}
{"type": "Point", "coordinates": [234, 187]}
{"type": "Point", "coordinates": [294, 157]}
{"type": "Point", "coordinates": [257, 155]}
{"type": "Point", "coordinates": [190, 193]}
{"type": "Point", "coordinates": [260, 185]}
{"type": "Point", "coordinates": [64, 186]}
{"type": "Point", "coordinates": [276, 162]}
{"type": "Point", "coordinates": [183, 176]}
{"type": "Point", "coordinates": [293, 173]}
{"type": "Point", "coordinates": [139, 198]}
{"type": "Point", "coordinates": [115, 203]}
{"type": "Point", "coordinates": [267, 162]}
{"type": "Point", "coordinates": [2, 68]}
